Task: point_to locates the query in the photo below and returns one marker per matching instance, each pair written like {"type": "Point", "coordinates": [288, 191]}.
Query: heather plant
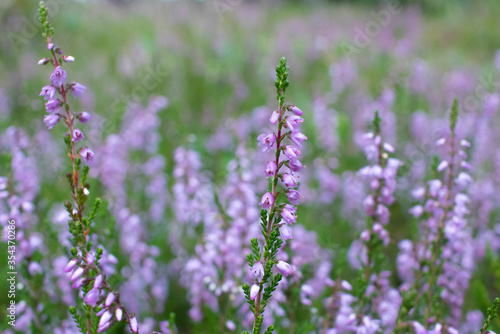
{"type": "Point", "coordinates": [101, 304]}
{"type": "Point", "coordinates": [202, 191]}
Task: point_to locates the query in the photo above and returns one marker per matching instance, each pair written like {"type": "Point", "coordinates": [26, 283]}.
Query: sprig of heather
{"type": "Point", "coordinates": [373, 289]}
{"type": "Point", "coordinates": [440, 264]}
{"type": "Point", "coordinates": [275, 216]}
{"type": "Point", "coordinates": [451, 227]}
{"type": "Point", "coordinates": [101, 301]}
{"type": "Point", "coordinates": [492, 314]}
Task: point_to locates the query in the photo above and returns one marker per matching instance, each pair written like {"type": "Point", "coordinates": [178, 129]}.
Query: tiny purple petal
{"type": "Point", "coordinates": [133, 325]}
{"type": "Point", "coordinates": [87, 154]}
{"type": "Point", "coordinates": [110, 299]}
{"type": "Point", "coordinates": [267, 201]}
{"type": "Point", "coordinates": [254, 291]}
{"type": "Point", "coordinates": [48, 92]}
{"type": "Point", "coordinates": [118, 314]}
{"type": "Point", "coordinates": [77, 89]}
{"type": "Point", "coordinates": [284, 268]}
{"type": "Point", "coordinates": [296, 110]}
{"type": "Point", "coordinates": [270, 169]}
{"type": "Point", "coordinates": [274, 117]}
{"type": "Point", "coordinates": [84, 117]}
{"type": "Point", "coordinates": [77, 135]}
{"type": "Point", "coordinates": [58, 77]}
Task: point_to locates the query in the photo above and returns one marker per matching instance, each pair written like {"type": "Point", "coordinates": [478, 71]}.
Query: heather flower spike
{"type": "Point", "coordinates": [284, 167]}
{"type": "Point", "coordinates": [86, 272]}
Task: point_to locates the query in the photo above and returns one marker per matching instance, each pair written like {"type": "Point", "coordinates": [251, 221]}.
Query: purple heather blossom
{"type": "Point", "coordinates": [295, 110]}
{"type": "Point", "coordinates": [284, 268]}
{"type": "Point", "coordinates": [293, 123]}
{"type": "Point", "coordinates": [92, 297]}
{"type": "Point", "coordinates": [295, 165]}
{"type": "Point", "coordinates": [84, 117]}
{"type": "Point", "coordinates": [77, 89]}
{"type": "Point", "coordinates": [293, 196]}
{"type": "Point", "coordinates": [133, 324]}
{"type": "Point", "coordinates": [270, 169]}
{"type": "Point", "coordinates": [389, 148]}
{"type": "Point", "coordinates": [291, 152]}
{"type": "Point", "coordinates": [44, 61]}
{"type": "Point", "coordinates": [254, 290]}
{"type": "Point", "coordinates": [71, 265]}
{"type": "Point", "coordinates": [58, 77]}
{"type": "Point", "coordinates": [267, 201]}
{"type": "Point", "coordinates": [285, 232]}
{"type": "Point", "coordinates": [77, 135]}
{"type": "Point", "coordinates": [289, 180]}
{"type": "Point", "coordinates": [297, 138]}
{"type": "Point", "coordinates": [87, 154]}
{"type": "Point", "coordinates": [267, 141]}
{"type": "Point", "coordinates": [119, 314]}
{"type": "Point", "coordinates": [50, 120]}
{"type": "Point", "coordinates": [257, 270]}
{"type": "Point", "coordinates": [52, 105]}
{"type": "Point", "coordinates": [288, 214]}
{"type": "Point", "coordinates": [68, 59]}
{"type": "Point", "coordinates": [98, 281]}
{"type": "Point", "coordinates": [106, 317]}
{"type": "Point", "coordinates": [274, 117]}
{"type": "Point", "coordinates": [110, 299]}
{"type": "Point", "coordinates": [76, 274]}
{"type": "Point", "coordinates": [442, 166]}
{"type": "Point", "coordinates": [48, 92]}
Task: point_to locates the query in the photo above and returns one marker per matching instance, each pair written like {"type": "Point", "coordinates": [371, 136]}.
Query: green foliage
{"type": "Point", "coordinates": [492, 313]}
{"type": "Point", "coordinates": [48, 30]}
{"type": "Point", "coordinates": [80, 323]}
{"type": "Point", "coordinates": [454, 115]}
{"type": "Point", "coordinates": [282, 82]}
{"type": "Point", "coordinates": [376, 122]}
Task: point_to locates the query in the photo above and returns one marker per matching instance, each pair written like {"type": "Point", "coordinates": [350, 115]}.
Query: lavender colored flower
{"type": "Point", "coordinates": [295, 165]}
{"type": "Point", "coordinates": [110, 299]}
{"type": "Point", "coordinates": [133, 325]}
{"type": "Point", "coordinates": [288, 214]}
{"type": "Point", "coordinates": [50, 120]}
{"type": "Point", "coordinates": [267, 201]}
{"type": "Point", "coordinates": [297, 138]}
{"type": "Point", "coordinates": [267, 141]}
{"type": "Point", "coordinates": [92, 297]}
{"type": "Point", "coordinates": [291, 152]}
{"type": "Point", "coordinates": [48, 92]}
{"type": "Point", "coordinates": [77, 89]}
{"type": "Point", "coordinates": [77, 135]}
{"type": "Point", "coordinates": [87, 154]}
{"type": "Point", "coordinates": [58, 77]}
{"type": "Point", "coordinates": [284, 268]}
{"type": "Point", "coordinates": [270, 169]}
{"type": "Point", "coordinates": [293, 196]}
{"type": "Point", "coordinates": [285, 232]}
{"type": "Point", "coordinates": [52, 105]}
{"type": "Point", "coordinates": [289, 180]}
{"type": "Point", "coordinates": [118, 314]}
{"type": "Point", "coordinates": [274, 117]}
{"type": "Point", "coordinates": [254, 290]}
{"type": "Point", "coordinates": [84, 117]}
{"type": "Point", "coordinates": [296, 110]}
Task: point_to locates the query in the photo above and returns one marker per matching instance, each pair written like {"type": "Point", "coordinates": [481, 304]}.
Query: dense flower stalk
{"type": "Point", "coordinates": [86, 273]}
{"type": "Point", "coordinates": [276, 217]}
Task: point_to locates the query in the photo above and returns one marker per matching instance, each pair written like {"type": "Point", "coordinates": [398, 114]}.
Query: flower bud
{"type": "Point", "coordinates": [68, 59]}
{"type": "Point", "coordinates": [254, 291]}
{"type": "Point", "coordinates": [43, 61]}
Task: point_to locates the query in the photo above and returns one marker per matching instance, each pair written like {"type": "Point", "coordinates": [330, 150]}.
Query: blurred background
{"type": "Point", "coordinates": [213, 62]}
